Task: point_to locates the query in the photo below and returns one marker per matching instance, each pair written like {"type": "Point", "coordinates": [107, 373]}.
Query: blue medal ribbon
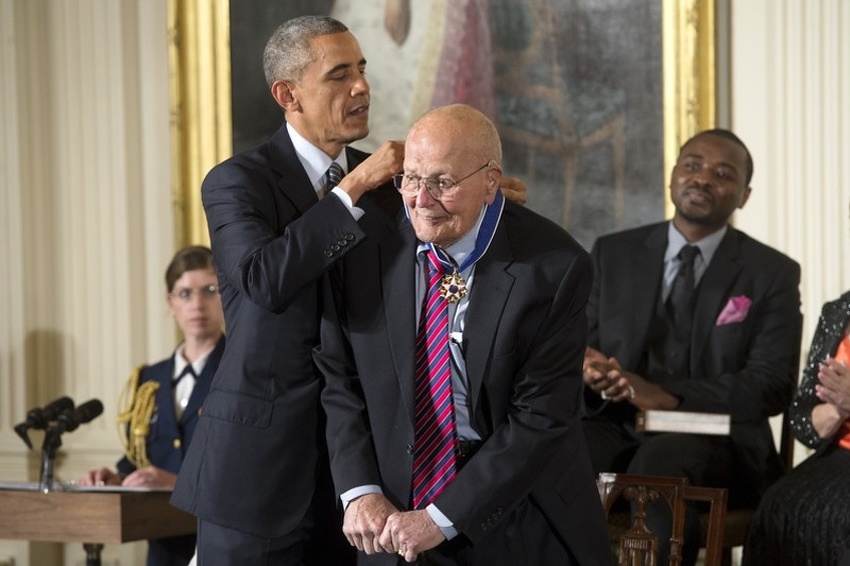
{"type": "Point", "coordinates": [454, 286]}
{"type": "Point", "coordinates": [492, 215]}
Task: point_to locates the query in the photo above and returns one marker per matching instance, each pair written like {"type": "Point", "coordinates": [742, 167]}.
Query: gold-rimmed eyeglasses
{"type": "Point", "coordinates": [440, 188]}
{"type": "Point", "coordinates": [186, 294]}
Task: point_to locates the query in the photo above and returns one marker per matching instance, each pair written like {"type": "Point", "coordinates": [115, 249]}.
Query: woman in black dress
{"type": "Point", "coordinates": [804, 518]}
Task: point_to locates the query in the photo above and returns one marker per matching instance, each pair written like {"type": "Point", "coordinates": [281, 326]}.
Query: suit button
{"type": "Point", "coordinates": [176, 443]}
{"type": "Point", "coordinates": [335, 247]}
{"type": "Point", "coordinates": [409, 449]}
{"type": "Point", "coordinates": [349, 237]}
{"type": "Point", "coordinates": [343, 242]}
{"type": "Point", "coordinates": [328, 253]}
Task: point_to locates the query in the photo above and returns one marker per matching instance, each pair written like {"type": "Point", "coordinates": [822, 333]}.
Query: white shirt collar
{"type": "Point", "coordinates": [314, 160]}
{"type": "Point", "coordinates": [180, 361]}
{"type": "Point", "coordinates": [707, 246]}
{"type": "Point", "coordinates": [463, 247]}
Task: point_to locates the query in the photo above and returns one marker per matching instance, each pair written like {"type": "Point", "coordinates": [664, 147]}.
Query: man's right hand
{"type": "Point", "coordinates": [604, 376]}
{"type": "Point", "coordinates": [595, 370]}
{"type": "Point", "coordinates": [374, 171]}
{"type": "Point", "coordinates": [364, 522]}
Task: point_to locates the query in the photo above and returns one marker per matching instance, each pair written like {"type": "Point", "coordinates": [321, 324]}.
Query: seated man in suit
{"type": "Point", "coordinates": [693, 315]}
{"type": "Point", "coordinates": [460, 442]}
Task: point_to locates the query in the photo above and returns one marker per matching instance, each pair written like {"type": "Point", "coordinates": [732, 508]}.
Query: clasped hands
{"type": "Point", "coordinates": [373, 524]}
{"type": "Point", "coordinates": [834, 386]}
{"type": "Point", "coordinates": [606, 377]}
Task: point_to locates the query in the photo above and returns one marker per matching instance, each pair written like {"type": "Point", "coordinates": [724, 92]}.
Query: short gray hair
{"type": "Point", "coordinates": [288, 51]}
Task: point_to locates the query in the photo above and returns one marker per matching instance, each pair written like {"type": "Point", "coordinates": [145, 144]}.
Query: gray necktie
{"type": "Point", "coordinates": [331, 179]}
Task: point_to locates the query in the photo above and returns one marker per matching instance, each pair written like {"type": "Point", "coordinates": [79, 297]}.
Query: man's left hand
{"type": "Point", "coordinates": [411, 533]}
{"type": "Point", "coordinates": [646, 395]}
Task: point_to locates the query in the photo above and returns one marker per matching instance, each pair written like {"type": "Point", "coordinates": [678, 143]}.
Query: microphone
{"type": "Point", "coordinates": [39, 418]}
{"type": "Point", "coordinates": [66, 421]}
{"type": "Point", "coordinates": [69, 419]}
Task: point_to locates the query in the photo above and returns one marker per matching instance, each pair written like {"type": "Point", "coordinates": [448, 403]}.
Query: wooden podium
{"type": "Point", "coordinates": [93, 517]}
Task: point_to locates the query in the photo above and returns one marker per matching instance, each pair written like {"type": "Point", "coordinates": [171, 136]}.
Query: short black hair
{"type": "Point", "coordinates": [729, 135]}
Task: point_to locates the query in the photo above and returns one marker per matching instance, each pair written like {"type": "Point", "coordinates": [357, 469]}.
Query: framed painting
{"type": "Point", "coordinates": [592, 98]}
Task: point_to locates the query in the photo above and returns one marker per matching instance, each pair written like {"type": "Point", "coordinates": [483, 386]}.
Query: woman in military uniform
{"type": "Point", "coordinates": [162, 402]}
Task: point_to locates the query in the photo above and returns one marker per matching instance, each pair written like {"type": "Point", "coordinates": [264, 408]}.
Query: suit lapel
{"type": "Point", "coordinates": [292, 180]}
{"type": "Point", "coordinates": [645, 271]}
{"type": "Point", "coordinates": [713, 291]}
{"type": "Point", "coordinates": [491, 288]}
{"type": "Point", "coordinates": [166, 418]}
{"type": "Point", "coordinates": [202, 385]}
{"type": "Point", "coordinates": [398, 265]}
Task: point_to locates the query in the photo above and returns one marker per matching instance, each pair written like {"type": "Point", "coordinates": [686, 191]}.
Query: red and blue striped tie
{"type": "Point", "coordinates": [435, 445]}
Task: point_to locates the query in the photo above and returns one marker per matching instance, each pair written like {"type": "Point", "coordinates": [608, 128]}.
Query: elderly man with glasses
{"type": "Point", "coordinates": [452, 344]}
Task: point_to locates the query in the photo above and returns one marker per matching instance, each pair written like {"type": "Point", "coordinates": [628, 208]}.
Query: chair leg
{"type": "Point", "coordinates": [726, 558]}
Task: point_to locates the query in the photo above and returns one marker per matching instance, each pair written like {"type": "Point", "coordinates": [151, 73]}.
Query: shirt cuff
{"type": "Point", "coordinates": [356, 213]}
{"type": "Point", "coordinates": [443, 523]}
{"type": "Point", "coordinates": [356, 492]}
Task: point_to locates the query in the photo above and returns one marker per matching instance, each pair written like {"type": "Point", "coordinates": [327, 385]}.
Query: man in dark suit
{"type": "Point", "coordinates": [255, 463]}
{"type": "Point", "coordinates": [727, 341]}
{"type": "Point", "coordinates": [517, 485]}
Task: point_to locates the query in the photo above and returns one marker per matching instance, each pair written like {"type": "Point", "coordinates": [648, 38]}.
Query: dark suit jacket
{"type": "Point", "coordinates": [524, 338]}
{"type": "Point", "coordinates": [747, 369]}
{"type": "Point", "coordinates": [252, 465]}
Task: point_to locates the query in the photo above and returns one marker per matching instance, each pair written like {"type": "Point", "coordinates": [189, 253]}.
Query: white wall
{"type": "Point", "coordinates": [85, 220]}
{"type": "Point", "coordinates": [789, 92]}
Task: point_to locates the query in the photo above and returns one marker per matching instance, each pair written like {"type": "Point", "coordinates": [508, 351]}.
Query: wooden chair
{"type": "Point", "coordinates": [636, 545]}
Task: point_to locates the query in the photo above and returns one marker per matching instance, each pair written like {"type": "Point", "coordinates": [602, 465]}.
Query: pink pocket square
{"type": "Point", "coordinates": [735, 310]}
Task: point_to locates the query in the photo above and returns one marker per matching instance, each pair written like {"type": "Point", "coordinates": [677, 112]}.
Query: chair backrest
{"type": "Point", "coordinates": [636, 545]}
{"type": "Point", "coordinates": [715, 526]}
{"type": "Point", "coordinates": [738, 519]}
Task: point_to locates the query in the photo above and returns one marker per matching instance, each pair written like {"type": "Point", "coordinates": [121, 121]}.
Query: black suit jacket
{"type": "Point", "coordinates": [524, 340]}
{"type": "Point", "coordinates": [747, 369]}
{"type": "Point", "coordinates": [252, 464]}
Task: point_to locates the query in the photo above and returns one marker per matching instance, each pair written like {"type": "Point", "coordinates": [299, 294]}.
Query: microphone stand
{"type": "Point", "coordinates": [52, 442]}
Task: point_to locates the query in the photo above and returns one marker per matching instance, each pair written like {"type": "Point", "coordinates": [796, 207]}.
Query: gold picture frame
{"type": "Point", "coordinates": [201, 130]}
{"type": "Point", "coordinates": [201, 127]}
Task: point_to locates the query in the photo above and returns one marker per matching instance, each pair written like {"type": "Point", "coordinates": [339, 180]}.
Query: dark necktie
{"type": "Point", "coordinates": [188, 370]}
{"type": "Point", "coordinates": [435, 432]}
{"type": "Point", "coordinates": [681, 300]}
{"type": "Point", "coordinates": [330, 179]}
{"type": "Point", "coordinates": [183, 389]}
